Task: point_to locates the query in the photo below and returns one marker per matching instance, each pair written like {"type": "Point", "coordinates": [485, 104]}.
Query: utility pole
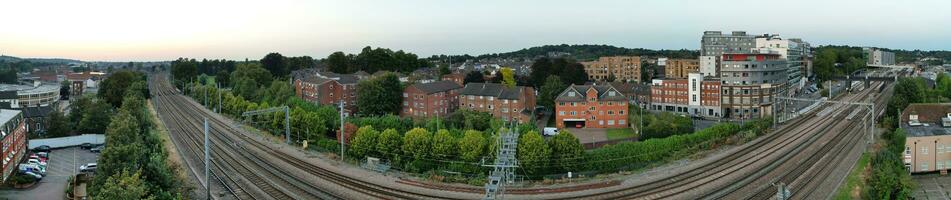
{"type": "Point", "coordinates": [218, 89]}
{"type": "Point", "coordinates": [287, 124]}
{"type": "Point", "coordinates": [342, 137]}
{"type": "Point", "coordinates": [207, 161]}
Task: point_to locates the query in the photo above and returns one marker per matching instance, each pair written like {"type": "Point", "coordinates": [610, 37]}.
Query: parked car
{"type": "Point", "coordinates": [35, 161]}
{"type": "Point", "coordinates": [43, 154]}
{"type": "Point", "coordinates": [34, 156]}
{"type": "Point", "coordinates": [34, 175]}
{"type": "Point", "coordinates": [42, 148]}
{"type": "Point", "coordinates": [86, 146]}
{"type": "Point", "coordinates": [97, 149]}
{"type": "Point", "coordinates": [33, 168]}
{"type": "Point", "coordinates": [88, 167]}
{"type": "Point", "coordinates": [550, 131]}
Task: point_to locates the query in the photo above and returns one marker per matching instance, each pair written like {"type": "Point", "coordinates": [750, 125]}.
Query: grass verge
{"type": "Point", "coordinates": [855, 182]}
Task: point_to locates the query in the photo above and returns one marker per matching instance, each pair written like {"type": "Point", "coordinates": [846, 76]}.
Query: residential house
{"type": "Point", "coordinates": [425, 100]}
{"type": "Point", "coordinates": [501, 101]}
{"type": "Point", "coordinates": [591, 106]}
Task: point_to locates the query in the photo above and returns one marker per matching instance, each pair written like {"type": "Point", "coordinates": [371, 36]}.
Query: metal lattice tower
{"type": "Point", "coordinates": [504, 166]}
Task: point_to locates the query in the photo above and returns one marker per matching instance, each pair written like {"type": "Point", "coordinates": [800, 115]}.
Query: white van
{"type": "Point", "coordinates": [550, 131]}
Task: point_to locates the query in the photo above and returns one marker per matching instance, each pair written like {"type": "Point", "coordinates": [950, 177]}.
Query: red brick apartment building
{"type": "Point", "coordinates": [691, 96]}
{"type": "Point", "coordinates": [501, 101]}
{"type": "Point", "coordinates": [424, 100]}
{"type": "Point", "coordinates": [328, 88]}
{"type": "Point", "coordinates": [592, 106]}
{"type": "Point", "coordinates": [14, 141]}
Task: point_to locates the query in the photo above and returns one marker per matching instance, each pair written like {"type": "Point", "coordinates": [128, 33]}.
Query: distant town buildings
{"type": "Point", "coordinates": [679, 68]}
{"type": "Point", "coordinates": [21, 96]}
{"type": "Point", "coordinates": [499, 100]}
{"type": "Point", "coordinates": [83, 81]}
{"type": "Point", "coordinates": [592, 106]}
{"type": "Point", "coordinates": [709, 66]}
{"type": "Point", "coordinates": [879, 57]}
{"type": "Point", "coordinates": [622, 68]}
{"type": "Point", "coordinates": [433, 99]}
{"type": "Point", "coordinates": [14, 141]}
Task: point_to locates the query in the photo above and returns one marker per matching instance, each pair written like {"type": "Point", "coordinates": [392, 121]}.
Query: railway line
{"type": "Point", "coordinates": [793, 154]}
{"type": "Point", "coordinates": [265, 173]}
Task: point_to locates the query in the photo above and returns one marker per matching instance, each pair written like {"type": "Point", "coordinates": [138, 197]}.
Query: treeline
{"type": "Point", "coordinates": [629, 156]}
{"type": "Point", "coordinates": [372, 60]}
{"type": "Point", "coordinates": [279, 66]}
{"type": "Point", "coordinates": [133, 164]}
{"type": "Point", "coordinates": [580, 52]}
{"type": "Point", "coordinates": [836, 61]}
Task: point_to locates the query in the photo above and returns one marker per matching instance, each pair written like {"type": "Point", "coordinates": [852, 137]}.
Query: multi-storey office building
{"type": "Point", "coordinates": [715, 43]}
{"type": "Point", "coordinates": [795, 51]}
{"type": "Point", "coordinates": [709, 66]}
{"type": "Point", "coordinates": [28, 95]}
{"type": "Point", "coordinates": [749, 81]}
{"type": "Point", "coordinates": [879, 57]}
{"type": "Point", "coordinates": [499, 100]}
{"type": "Point", "coordinates": [623, 68]}
{"type": "Point", "coordinates": [679, 68]}
{"type": "Point", "coordinates": [593, 106]}
{"type": "Point", "coordinates": [425, 100]}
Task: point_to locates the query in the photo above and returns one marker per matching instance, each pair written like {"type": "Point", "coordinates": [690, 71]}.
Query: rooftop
{"type": "Point", "coordinates": [6, 115]}
{"type": "Point", "coordinates": [437, 86]}
{"type": "Point", "coordinates": [922, 131]}
{"type": "Point", "coordinates": [492, 89]}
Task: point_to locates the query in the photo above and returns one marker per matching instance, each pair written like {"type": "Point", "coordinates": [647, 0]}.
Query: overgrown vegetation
{"type": "Point", "coordinates": [836, 61]}
{"type": "Point", "coordinates": [133, 163]}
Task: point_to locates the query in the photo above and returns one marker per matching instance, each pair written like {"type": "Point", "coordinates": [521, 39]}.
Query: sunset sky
{"type": "Point", "coordinates": [113, 30]}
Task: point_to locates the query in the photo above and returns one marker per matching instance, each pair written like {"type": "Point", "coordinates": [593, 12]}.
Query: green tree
{"type": "Point", "coordinates": [363, 143]}
{"type": "Point", "coordinates": [548, 92]}
{"type": "Point", "coordinates": [338, 62]}
{"type": "Point", "coordinates": [380, 95]}
{"type": "Point", "coordinates": [417, 144]}
{"type": "Point", "coordinates": [444, 145]}
{"type": "Point", "coordinates": [278, 93]}
{"type": "Point", "coordinates": [533, 153]}
{"type": "Point", "coordinates": [943, 85]}
{"type": "Point", "coordinates": [113, 88]}
{"type": "Point", "coordinates": [472, 146]}
{"type": "Point", "coordinates": [95, 117]}
{"type": "Point", "coordinates": [246, 88]}
{"type": "Point", "coordinates": [443, 70]}
{"type": "Point", "coordinates": [474, 77]}
{"type": "Point", "coordinates": [389, 144]}
{"type": "Point", "coordinates": [508, 77]}
{"type": "Point", "coordinates": [125, 185]}
{"type": "Point", "coordinates": [567, 153]}
{"type": "Point", "coordinates": [276, 64]}
{"type": "Point", "coordinates": [58, 124]}
{"type": "Point", "coordinates": [252, 71]}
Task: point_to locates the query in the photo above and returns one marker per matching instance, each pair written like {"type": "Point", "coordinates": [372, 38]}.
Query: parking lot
{"type": "Point", "coordinates": [61, 164]}
{"type": "Point", "coordinates": [932, 186]}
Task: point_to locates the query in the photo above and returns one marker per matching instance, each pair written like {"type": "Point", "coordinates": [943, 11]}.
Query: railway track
{"type": "Point", "coordinates": [260, 154]}
{"type": "Point", "coordinates": [250, 170]}
{"type": "Point", "coordinates": [801, 167]}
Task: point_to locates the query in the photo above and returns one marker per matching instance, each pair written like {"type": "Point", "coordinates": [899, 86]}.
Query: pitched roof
{"type": "Point", "coordinates": [31, 112]}
{"type": "Point", "coordinates": [436, 86]}
{"type": "Point", "coordinates": [493, 89]}
{"type": "Point", "coordinates": [580, 93]}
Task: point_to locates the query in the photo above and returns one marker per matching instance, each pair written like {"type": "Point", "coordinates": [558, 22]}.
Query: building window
{"type": "Point", "coordinates": [600, 122]}
{"type": "Point", "coordinates": [561, 103]}
{"type": "Point", "coordinates": [573, 113]}
{"type": "Point", "coordinates": [610, 112]}
{"type": "Point", "coordinates": [621, 122]}
{"type": "Point", "coordinates": [924, 166]}
{"type": "Point", "coordinates": [620, 112]}
{"type": "Point", "coordinates": [405, 95]}
{"type": "Point", "coordinates": [562, 113]}
{"type": "Point", "coordinates": [610, 122]}
{"type": "Point", "coordinates": [571, 94]}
